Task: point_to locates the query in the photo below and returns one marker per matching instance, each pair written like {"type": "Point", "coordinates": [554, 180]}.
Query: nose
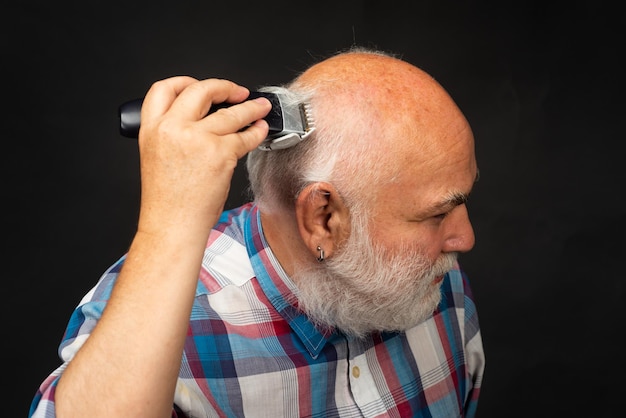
{"type": "Point", "coordinates": [459, 233]}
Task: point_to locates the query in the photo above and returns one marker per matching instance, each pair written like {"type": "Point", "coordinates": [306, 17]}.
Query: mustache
{"type": "Point", "coordinates": [444, 264]}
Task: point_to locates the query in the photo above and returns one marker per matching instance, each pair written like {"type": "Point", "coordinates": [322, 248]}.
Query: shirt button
{"type": "Point", "coordinates": [356, 372]}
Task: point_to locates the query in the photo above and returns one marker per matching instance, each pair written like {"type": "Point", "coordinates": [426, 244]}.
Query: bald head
{"type": "Point", "coordinates": [383, 109]}
{"type": "Point", "coordinates": [374, 114]}
{"type": "Point", "coordinates": [364, 71]}
{"type": "Point", "coordinates": [379, 90]}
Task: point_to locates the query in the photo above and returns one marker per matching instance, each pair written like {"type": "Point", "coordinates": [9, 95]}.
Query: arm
{"type": "Point", "coordinates": [130, 363]}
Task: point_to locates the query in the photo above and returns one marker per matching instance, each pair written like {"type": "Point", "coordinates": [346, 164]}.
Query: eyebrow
{"type": "Point", "coordinates": [453, 200]}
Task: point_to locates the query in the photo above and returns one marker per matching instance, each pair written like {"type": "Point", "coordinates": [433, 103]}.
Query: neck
{"type": "Point", "coordinates": [281, 233]}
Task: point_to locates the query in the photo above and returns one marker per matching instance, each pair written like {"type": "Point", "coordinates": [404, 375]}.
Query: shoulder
{"type": "Point", "coordinates": [226, 260]}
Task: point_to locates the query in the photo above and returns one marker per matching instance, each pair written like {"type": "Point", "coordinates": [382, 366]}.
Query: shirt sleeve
{"type": "Point", "coordinates": [79, 328]}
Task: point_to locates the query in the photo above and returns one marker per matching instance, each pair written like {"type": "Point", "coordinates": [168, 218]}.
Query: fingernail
{"type": "Point", "coordinates": [262, 100]}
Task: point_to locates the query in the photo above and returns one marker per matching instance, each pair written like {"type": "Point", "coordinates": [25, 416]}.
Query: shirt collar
{"type": "Point", "coordinates": [278, 287]}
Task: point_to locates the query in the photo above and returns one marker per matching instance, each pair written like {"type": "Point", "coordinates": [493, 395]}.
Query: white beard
{"type": "Point", "coordinates": [365, 288]}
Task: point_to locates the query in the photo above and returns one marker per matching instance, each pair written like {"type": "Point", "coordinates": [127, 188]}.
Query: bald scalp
{"type": "Point", "coordinates": [388, 95]}
{"type": "Point", "coordinates": [358, 69]}
{"type": "Point", "coordinates": [374, 114]}
{"type": "Point", "coordinates": [385, 108]}
{"type": "Point", "coordinates": [381, 81]}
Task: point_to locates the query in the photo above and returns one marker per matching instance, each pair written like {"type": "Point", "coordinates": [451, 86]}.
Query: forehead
{"type": "Point", "coordinates": [427, 172]}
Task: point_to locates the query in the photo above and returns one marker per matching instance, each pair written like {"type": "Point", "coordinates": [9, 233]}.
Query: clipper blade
{"type": "Point", "coordinates": [297, 125]}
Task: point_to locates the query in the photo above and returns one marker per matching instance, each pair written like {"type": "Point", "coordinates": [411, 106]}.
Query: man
{"type": "Point", "coordinates": [336, 293]}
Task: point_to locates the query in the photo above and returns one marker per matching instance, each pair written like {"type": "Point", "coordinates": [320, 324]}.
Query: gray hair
{"type": "Point", "coordinates": [335, 153]}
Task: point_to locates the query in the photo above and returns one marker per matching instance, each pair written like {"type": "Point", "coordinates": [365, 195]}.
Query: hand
{"type": "Point", "coordinates": [187, 159]}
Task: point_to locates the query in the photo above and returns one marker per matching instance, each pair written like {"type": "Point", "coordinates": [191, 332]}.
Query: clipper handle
{"type": "Point", "coordinates": [130, 114]}
{"type": "Point", "coordinates": [130, 118]}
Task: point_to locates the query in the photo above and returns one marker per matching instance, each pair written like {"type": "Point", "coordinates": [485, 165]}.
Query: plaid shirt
{"type": "Point", "coordinates": [250, 353]}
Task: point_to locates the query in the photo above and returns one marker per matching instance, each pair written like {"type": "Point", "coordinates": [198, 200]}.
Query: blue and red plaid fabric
{"type": "Point", "coordinates": [249, 352]}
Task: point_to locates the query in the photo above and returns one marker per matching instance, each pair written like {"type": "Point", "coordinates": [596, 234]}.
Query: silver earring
{"type": "Point", "coordinates": [321, 256]}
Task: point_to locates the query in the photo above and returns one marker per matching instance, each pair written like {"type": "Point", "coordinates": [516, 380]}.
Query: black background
{"type": "Point", "coordinates": [541, 83]}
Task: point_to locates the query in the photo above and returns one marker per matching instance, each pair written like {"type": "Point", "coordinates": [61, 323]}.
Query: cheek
{"type": "Point", "coordinates": [394, 237]}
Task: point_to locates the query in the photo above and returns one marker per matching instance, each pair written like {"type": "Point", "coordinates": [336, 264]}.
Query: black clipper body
{"type": "Point", "coordinates": [288, 125]}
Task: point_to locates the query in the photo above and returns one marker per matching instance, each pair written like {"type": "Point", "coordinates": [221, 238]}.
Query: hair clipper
{"type": "Point", "coordinates": [288, 125]}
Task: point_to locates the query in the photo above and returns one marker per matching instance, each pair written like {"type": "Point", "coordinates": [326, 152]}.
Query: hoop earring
{"type": "Point", "coordinates": [321, 256]}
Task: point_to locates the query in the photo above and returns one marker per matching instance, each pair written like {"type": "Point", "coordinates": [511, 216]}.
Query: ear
{"type": "Point", "coordinates": [323, 218]}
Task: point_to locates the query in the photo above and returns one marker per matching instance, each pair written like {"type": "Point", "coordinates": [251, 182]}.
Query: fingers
{"type": "Point", "coordinates": [189, 99]}
{"type": "Point", "coordinates": [162, 94]}
{"type": "Point", "coordinates": [195, 100]}
{"type": "Point", "coordinates": [247, 140]}
{"type": "Point", "coordinates": [234, 118]}
{"type": "Point", "coordinates": [184, 101]}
